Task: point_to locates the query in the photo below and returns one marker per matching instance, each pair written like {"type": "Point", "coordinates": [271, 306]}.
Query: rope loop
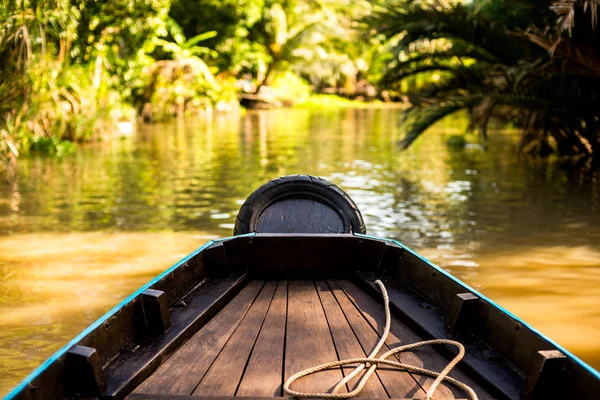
{"type": "Point", "coordinates": [371, 362]}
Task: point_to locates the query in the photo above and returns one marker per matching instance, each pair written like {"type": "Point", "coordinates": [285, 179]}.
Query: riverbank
{"type": "Point", "coordinates": [120, 127]}
{"type": "Point", "coordinates": [80, 73]}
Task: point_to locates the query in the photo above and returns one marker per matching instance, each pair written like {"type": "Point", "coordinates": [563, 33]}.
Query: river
{"type": "Point", "coordinates": [79, 233]}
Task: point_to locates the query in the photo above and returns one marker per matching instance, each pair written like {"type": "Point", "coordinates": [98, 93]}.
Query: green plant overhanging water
{"type": "Point", "coordinates": [61, 70]}
{"type": "Point", "coordinates": [74, 70]}
{"type": "Point", "coordinates": [59, 103]}
{"type": "Point", "coordinates": [541, 77]}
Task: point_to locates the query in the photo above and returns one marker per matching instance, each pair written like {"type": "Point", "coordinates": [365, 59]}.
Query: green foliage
{"type": "Point", "coordinates": [319, 41]}
{"type": "Point", "coordinates": [541, 78]}
{"type": "Point", "coordinates": [53, 146]}
{"type": "Point", "coordinates": [119, 28]}
{"type": "Point", "coordinates": [289, 88]}
{"type": "Point", "coordinates": [516, 14]}
{"type": "Point", "coordinates": [457, 142]}
{"type": "Point", "coordinates": [183, 83]}
{"type": "Point", "coordinates": [73, 69]}
{"type": "Point", "coordinates": [232, 20]}
{"type": "Point", "coordinates": [64, 68]}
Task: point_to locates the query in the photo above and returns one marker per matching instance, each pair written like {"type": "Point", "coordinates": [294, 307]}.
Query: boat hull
{"type": "Point", "coordinates": [118, 353]}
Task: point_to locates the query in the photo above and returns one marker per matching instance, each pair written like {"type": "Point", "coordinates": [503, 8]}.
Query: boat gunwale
{"type": "Point", "coordinates": [483, 297]}
{"type": "Point", "coordinates": [94, 325]}
{"type": "Point", "coordinates": [16, 391]}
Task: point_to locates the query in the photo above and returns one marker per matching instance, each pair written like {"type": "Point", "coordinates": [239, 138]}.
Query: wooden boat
{"type": "Point", "coordinates": [293, 288]}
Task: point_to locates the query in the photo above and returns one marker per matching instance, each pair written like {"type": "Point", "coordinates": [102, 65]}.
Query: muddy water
{"type": "Point", "coordinates": [78, 234]}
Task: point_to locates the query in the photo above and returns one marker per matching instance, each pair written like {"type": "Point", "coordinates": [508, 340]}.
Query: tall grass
{"type": "Point", "coordinates": [45, 98]}
{"type": "Point", "coordinates": [71, 70]}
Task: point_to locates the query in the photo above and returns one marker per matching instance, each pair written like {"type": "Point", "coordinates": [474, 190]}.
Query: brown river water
{"type": "Point", "coordinates": [80, 233]}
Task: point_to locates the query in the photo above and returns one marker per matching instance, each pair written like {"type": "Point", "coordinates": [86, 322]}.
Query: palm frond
{"type": "Point", "coordinates": [425, 119]}
{"type": "Point", "coordinates": [199, 38]}
{"type": "Point", "coordinates": [396, 75]}
{"type": "Point", "coordinates": [566, 9]}
{"type": "Point", "coordinates": [455, 23]}
{"type": "Point", "coordinates": [544, 80]}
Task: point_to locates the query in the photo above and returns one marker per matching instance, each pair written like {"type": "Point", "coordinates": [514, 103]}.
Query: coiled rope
{"type": "Point", "coordinates": [371, 362]}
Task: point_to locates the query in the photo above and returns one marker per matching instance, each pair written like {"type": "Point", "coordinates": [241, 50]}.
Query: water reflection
{"type": "Point", "coordinates": [79, 234]}
{"type": "Point", "coordinates": [53, 285]}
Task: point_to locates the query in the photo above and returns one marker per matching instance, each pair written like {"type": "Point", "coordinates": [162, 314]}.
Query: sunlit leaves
{"type": "Point", "coordinates": [547, 82]}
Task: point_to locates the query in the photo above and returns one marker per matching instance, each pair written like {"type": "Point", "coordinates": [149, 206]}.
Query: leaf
{"type": "Point", "coordinates": [168, 46]}
{"type": "Point", "coordinates": [204, 51]}
{"type": "Point", "coordinates": [425, 119]}
{"type": "Point", "coordinates": [200, 38]}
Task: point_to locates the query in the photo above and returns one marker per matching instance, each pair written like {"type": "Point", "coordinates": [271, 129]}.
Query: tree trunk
{"type": "Point", "coordinates": [265, 80]}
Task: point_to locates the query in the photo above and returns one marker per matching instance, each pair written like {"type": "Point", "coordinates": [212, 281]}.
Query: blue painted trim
{"type": "Point", "coordinates": [572, 356]}
{"type": "Point", "coordinates": [234, 237]}
{"type": "Point", "coordinates": [39, 370]}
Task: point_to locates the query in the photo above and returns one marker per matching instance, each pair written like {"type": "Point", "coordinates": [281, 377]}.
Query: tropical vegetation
{"type": "Point", "coordinates": [75, 71]}
{"type": "Point", "coordinates": [536, 64]}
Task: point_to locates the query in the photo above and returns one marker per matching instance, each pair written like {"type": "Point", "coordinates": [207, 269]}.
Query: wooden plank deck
{"type": "Point", "coordinates": [274, 329]}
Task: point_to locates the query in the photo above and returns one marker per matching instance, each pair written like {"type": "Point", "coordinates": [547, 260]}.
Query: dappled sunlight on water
{"type": "Point", "coordinates": [79, 234]}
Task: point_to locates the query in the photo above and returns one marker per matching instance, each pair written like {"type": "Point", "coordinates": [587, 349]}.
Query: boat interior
{"type": "Point", "coordinates": [273, 329]}
{"type": "Point", "coordinates": [240, 315]}
{"type": "Point", "coordinates": [283, 303]}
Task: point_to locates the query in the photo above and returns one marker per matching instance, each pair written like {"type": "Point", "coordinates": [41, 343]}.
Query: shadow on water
{"type": "Point", "coordinates": [78, 234]}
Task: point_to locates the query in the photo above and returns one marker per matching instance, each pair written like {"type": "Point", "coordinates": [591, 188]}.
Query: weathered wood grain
{"type": "Point", "coordinates": [308, 340]}
{"type": "Point", "coordinates": [144, 396]}
{"type": "Point", "coordinates": [264, 372]}
{"type": "Point", "coordinates": [346, 343]}
{"type": "Point", "coordinates": [223, 376]}
{"type": "Point", "coordinates": [397, 384]}
{"type": "Point", "coordinates": [481, 363]}
{"type": "Point", "coordinates": [181, 372]}
{"type": "Point", "coordinates": [140, 360]}
{"type": "Point", "coordinates": [425, 357]}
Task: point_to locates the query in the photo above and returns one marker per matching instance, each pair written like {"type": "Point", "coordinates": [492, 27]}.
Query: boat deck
{"type": "Point", "coordinates": [273, 329]}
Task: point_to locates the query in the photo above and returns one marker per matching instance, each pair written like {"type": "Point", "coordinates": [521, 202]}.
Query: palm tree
{"type": "Point", "coordinates": [284, 35]}
{"type": "Point", "coordinates": [186, 52]}
{"type": "Point", "coordinates": [183, 76]}
{"type": "Point", "coordinates": [544, 77]}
